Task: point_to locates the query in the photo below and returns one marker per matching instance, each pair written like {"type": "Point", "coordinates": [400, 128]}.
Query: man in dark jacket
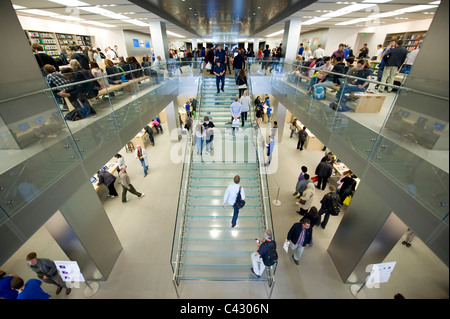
{"type": "Point", "coordinates": [327, 205]}
{"type": "Point", "coordinates": [394, 60]}
{"type": "Point", "coordinates": [323, 172]}
{"type": "Point", "coordinates": [302, 136]}
{"type": "Point", "coordinates": [108, 179]}
{"type": "Point", "coordinates": [46, 271]}
{"type": "Point", "coordinates": [300, 236]}
{"type": "Point", "coordinates": [238, 64]}
{"type": "Point", "coordinates": [82, 58]}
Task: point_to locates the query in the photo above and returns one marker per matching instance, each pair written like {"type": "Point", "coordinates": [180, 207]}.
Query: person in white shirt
{"type": "Point", "coordinates": [410, 59]}
{"type": "Point", "coordinates": [231, 196]}
{"type": "Point", "coordinates": [110, 54]}
{"type": "Point", "coordinates": [380, 50]}
{"type": "Point", "coordinates": [319, 52]}
{"type": "Point", "coordinates": [245, 102]}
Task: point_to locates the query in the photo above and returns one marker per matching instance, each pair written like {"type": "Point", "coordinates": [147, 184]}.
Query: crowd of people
{"type": "Point", "coordinates": [12, 286]}
{"type": "Point", "coordinates": [317, 66]}
{"type": "Point", "coordinates": [76, 64]}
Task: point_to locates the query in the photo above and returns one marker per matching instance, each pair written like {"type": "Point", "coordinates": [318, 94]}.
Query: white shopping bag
{"type": "Point", "coordinates": [286, 245]}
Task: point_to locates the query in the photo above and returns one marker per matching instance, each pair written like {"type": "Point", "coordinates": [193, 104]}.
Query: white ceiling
{"type": "Point", "coordinates": [319, 8]}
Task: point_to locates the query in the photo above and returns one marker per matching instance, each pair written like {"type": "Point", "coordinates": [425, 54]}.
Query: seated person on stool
{"type": "Point", "coordinates": [359, 85]}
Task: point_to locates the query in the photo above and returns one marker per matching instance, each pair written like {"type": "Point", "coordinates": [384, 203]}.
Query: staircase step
{"type": "Point", "coordinates": [241, 245]}
{"type": "Point", "coordinates": [223, 223]}
{"type": "Point", "coordinates": [219, 211]}
{"type": "Point", "coordinates": [220, 272]}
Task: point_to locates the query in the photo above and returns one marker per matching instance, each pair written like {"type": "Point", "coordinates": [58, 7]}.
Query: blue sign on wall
{"type": "Point", "coordinates": [147, 44]}
{"type": "Point", "coordinates": [136, 43]}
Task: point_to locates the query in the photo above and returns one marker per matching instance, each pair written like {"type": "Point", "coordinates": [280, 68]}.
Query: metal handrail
{"type": "Point", "coordinates": [401, 87]}
{"type": "Point", "coordinates": [61, 87]}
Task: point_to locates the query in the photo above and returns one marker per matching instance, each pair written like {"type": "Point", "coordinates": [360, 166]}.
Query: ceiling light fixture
{"type": "Point", "coordinates": [275, 33]}
{"type": "Point", "coordinates": [175, 34]}
{"type": "Point", "coordinates": [340, 12]}
{"type": "Point", "coordinates": [389, 14]}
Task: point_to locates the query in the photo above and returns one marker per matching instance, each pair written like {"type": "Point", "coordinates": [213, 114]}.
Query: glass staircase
{"type": "Point", "coordinates": [209, 248]}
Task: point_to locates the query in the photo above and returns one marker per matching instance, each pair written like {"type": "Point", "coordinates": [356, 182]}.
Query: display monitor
{"type": "Point", "coordinates": [104, 168]}
{"type": "Point", "coordinates": [93, 179]}
{"type": "Point", "coordinates": [405, 114]}
{"type": "Point", "coordinates": [39, 120]}
{"type": "Point", "coordinates": [439, 126]}
{"type": "Point", "coordinates": [24, 126]}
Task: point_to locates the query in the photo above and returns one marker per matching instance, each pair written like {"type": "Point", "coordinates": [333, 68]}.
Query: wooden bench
{"type": "Point", "coordinates": [116, 87]}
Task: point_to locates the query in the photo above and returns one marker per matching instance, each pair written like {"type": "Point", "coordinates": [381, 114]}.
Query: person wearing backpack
{"type": "Point", "coordinates": [235, 196]}
{"type": "Point", "coordinates": [299, 236]}
{"type": "Point", "coordinates": [330, 205]}
{"type": "Point", "coordinates": [265, 255]}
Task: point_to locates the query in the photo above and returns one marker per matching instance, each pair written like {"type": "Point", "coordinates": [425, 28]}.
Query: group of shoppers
{"type": "Point", "coordinates": [13, 286]}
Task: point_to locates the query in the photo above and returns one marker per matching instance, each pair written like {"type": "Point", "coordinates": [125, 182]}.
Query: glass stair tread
{"type": "Point", "coordinates": [227, 233]}
{"type": "Point", "coordinates": [211, 246]}
{"type": "Point", "coordinates": [217, 258]}
{"type": "Point", "coordinates": [220, 272]}
{"type": "Point", "coordinates": [222, 223]}
{"type": "Point", "coordinates": [220, 212]}
{"type": "Point", "coordinates": [219, 193]}
{"type": "Point", "coordinates": [224, 166]}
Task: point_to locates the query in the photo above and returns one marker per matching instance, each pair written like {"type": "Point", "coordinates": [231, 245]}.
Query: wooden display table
{"type": "Point", "coordinates": [142, 138]}
{"type": "Point", "coordinates": [369, 102]}
{"type": "Point", "coordinates": [340, 168]}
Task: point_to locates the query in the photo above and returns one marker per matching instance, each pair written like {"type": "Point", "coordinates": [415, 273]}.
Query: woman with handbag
{"type": "Point", "coordinates": [306, 199]}
{"type": "Point", "coordinates": [241, 82]}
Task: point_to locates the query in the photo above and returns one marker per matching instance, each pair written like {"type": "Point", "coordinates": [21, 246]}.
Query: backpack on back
{"type": "Point", "coordinates": [335, 206]}
{"type": "Point", "coordinates": [271, 257]}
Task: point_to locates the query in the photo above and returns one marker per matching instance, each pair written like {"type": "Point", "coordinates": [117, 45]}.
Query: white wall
{"type": "Point", "coordinates": [102, 37]}
{"type": "Point", "coordinates": [337, 36]}
{"type": "Point", "coordinates": [381, 31]}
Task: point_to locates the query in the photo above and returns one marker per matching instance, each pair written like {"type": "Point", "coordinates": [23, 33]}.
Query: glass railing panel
{"type": "Point", "coordinates": [35, 151]}
{"type": "Point", "coordinates": [99, 124]}
{"type": "Point", "coordinates": [177, 243]}
{"type": "Point", "coordinates": [413, 149]}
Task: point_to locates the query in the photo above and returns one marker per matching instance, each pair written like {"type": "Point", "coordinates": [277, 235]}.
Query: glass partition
{"type": "Point", "coordinates": [403, 133]}
{"type": "Point", "coordinates": [38, 150]}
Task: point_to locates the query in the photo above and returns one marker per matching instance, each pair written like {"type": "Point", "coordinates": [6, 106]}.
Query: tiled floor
{"type": "Point", "coordinates": [145, 229]}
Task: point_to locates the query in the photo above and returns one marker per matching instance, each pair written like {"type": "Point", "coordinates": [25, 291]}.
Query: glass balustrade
{"type": "Point", "coordinates": [404, 134]}
{"type": "Point", "coordinates": [37, 150]}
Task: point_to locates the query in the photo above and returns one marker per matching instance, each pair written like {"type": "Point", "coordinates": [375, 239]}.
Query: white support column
{"type": "Point", "coordinates": [291, 39]}
{"type": "Point", "coordinates": [160, 43]}
{"type": "Point", "coordinates": [194, 44]}
{"type": "Point", "coordinates": [256, 46]}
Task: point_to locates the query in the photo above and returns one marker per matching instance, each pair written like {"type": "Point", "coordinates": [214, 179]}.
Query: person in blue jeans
{"type": "Point", "coordinates": [358, 85]}
{"type": "Point", "coordinates": [231, 196]}
{"type": "Point", "coordinates": [219, 71]}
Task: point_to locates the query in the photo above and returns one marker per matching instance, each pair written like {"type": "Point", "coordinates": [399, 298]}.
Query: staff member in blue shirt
{"type": "Point", "coordinates": [236, 110]}
{"type": "Point", "coordinates": [30, 290]}
{"type": "Point", "coordinates": [219, 71]}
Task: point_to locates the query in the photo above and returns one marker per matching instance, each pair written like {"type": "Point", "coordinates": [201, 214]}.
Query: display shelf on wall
{"type": "Point", "coordinates": [46, 39]}
{"type": "Point", "coordinates": [53, 42]}
{"type": "Point", "coordinates": [411, 40]}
